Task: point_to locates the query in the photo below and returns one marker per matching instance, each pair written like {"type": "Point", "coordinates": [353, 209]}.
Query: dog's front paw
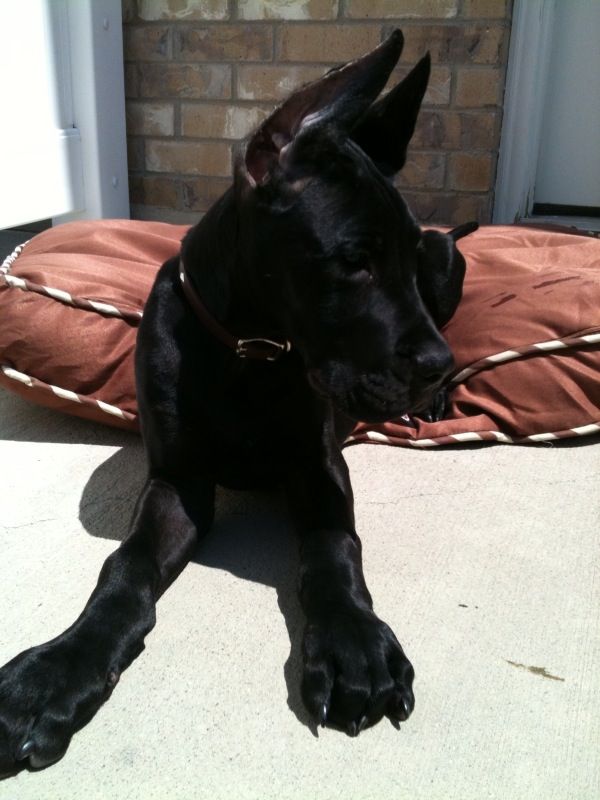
{"type": "Point", "coordinates": [46, 694]}
{"type": "Point", "coordinates": [355, 671]}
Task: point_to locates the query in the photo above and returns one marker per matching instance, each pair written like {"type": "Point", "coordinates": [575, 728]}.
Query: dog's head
{"type": "Point", "coordinates": [352, 281]}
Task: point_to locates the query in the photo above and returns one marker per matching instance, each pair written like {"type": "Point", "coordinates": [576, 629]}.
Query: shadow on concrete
{"type": "Point", "coordinates": [251, 538]}
{"type": "Point", "coordinates": [22, 421]}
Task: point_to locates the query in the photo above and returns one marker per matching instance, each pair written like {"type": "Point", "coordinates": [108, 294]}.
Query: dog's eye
{"type": "Point", "coordinates": [357, 263]}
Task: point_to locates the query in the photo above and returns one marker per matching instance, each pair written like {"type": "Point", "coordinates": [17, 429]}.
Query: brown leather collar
{"type": "Point", "coordinates": [260, 349]}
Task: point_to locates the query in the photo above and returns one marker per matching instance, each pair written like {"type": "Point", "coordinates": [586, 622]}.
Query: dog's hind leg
{"type": "Point", "coordinates": [50, 691]}
{"type": "Point", "coordinates": [354, 669]}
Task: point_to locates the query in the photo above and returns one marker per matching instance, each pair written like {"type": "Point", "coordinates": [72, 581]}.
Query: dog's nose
{"type": "Point", "coordinates": [433, 363]}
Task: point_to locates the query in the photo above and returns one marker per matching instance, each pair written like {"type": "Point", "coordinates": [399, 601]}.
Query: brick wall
{"type": "Point", "coordinates": [200, 74]}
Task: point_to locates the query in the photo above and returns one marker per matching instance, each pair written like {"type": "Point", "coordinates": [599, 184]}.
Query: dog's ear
{"type": "Point", "coordinates": [441, 271]}
{"type": "Point", "coordinates": [387, 127]}
{"type": "Point", "coordinates": [338, 99]}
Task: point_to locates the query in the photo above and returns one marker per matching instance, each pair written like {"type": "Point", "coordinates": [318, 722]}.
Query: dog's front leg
{"type": "Point", "coordinates": [50, 691]}
{"type": "Point", "coordinates": [354, 669]}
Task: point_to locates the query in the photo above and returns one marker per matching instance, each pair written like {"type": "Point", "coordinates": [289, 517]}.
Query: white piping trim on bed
{"type": "Point", "coordinates": [14, 375]}
{"type": "Point", "coordinates": [66, 394]}
{"type": "Point", "coordinates": [470, 437]}
{"type": "Point", "coordinates": [61, 295]}
{"type": "Point", "coordinates": [8, 261]}
{"type": "Point", "coordinates": [116, 412]}
{"type": "Point", "coordinates": [552, 345]}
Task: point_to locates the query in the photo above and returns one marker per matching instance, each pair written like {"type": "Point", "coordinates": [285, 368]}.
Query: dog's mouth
{"type": "Point", "coordinates": [373, 398]}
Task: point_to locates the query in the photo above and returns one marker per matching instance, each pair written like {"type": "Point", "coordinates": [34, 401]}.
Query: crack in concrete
{"type": "Point", "coordinates": [535, 670]}
{"type": "Point", "coordinates": [28, 524]}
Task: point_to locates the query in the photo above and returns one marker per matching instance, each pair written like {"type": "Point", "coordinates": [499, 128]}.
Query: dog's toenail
{"type": "Point", "coordinates": [323, 715]}
{"type": "Point", "coordinates": [25, 750]}
{"type": "Point", "coordinates": [352, 728]}
{"type": "Point", "coordinates": [362, 724]}
{"type": "Point", "coordinates": [113, 678]}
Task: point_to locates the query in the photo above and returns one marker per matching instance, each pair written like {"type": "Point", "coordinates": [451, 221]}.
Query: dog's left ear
{"type": "Point", "coordinates": [387, 127]}
{"type": "Point", "coordinates": [336, 102]}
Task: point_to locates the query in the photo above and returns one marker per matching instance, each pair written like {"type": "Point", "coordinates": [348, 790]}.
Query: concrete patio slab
{"type": "Point", "coordinates": [485, 561]}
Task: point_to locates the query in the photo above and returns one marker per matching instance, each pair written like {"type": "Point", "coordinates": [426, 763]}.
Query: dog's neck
{"type": "Point", "coordinates": [229, 291]}
{"type": "Point", "coordinates": [209, 253]}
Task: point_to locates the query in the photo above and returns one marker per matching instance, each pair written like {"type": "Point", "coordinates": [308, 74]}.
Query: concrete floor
{"type": "Point", "coordinates": [485, 561]}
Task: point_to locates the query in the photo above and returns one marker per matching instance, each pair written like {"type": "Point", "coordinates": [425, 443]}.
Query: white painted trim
{"type": "Point", "coordinates": [51, 182]}
{"type": "Point", "coordinates": [95, 61]}
{"type": "Point", "coordinates": [525, 93]}
{"type": "Point", "coordinates": [59, 23]}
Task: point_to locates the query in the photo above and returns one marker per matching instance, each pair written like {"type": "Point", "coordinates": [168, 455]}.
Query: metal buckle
{"type": "Point", "coordinates": [244, 344]}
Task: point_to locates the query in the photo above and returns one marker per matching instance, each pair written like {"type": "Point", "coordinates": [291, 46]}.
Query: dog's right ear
{"type": "Point", "coordinates": [387, 127]}
{"type": "Point", "coordinates": [338, 99]}
{"type": "Point", "coordinates": [441, 271]}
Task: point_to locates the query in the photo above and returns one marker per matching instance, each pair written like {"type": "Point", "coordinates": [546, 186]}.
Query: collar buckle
{"type": "Point", "coordinates": [259, 349]}
{"type": "Point", "coordinates": [265, 349]}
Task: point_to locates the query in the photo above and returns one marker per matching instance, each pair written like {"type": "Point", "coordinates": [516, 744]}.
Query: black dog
{"type": "Point", "coordinates": [313, 258]}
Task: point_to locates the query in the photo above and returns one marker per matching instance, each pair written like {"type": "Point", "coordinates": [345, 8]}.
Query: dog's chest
{"type": "Point", "coordinates": [255, 433]}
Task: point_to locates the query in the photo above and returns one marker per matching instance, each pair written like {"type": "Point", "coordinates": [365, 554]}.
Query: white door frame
{"type": "Point", "coordinates": [63, 146]}
{"type": "Point", "coordinates": [527, 79]}
{"type": "Point", "coordinates": [525, 92]}
{"type": "Point", "coordinates": [93, 38]}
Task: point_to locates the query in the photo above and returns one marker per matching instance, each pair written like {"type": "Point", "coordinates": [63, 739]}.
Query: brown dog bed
{"type": "Point", "coordinates": [526, 336]}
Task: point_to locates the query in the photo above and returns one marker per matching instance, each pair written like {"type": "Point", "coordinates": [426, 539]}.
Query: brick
{"type": "Point", "coordinates": [437, 208]}
{"type": "Point", "coordinates": [364, 9]}
{"type": "Point", "coordinates": [468, 171]}
{"type": "Point", "coordinates": [453, 130]}
{"type": "Point", "coordinates": [438, 91]}
{"type": "Point", "coordinates": [147, 43]}
{"type": "Point", "coordinates": [173, 216]}
{"type": "Point", "coordinates": [479, 130]}
{"type": "Point", "coordinates": [477, 88]}
{"type": "Point", "coordinates": [183, 10]}
{"type": "Point", "coordinates": [152, 191]}
{"type": "Point", "coordinates": [272, 82]}
{"type": "Point", "coordinates": [220, 121]}
{"type": "Point", "coordinates": [454, 44]}
{"type": "Point", "coordinates": [224, 43]}
{"type": "Point", "coordinates": [188, 158]}
{"type": "Point", "coordinates": [288, 9]}
{"type": "Point", "coordinates": [186, 80]}
{"type": "Point", "coordinates": [135, 153]}
{"type": "Point", "coordinates": [154, 119]}
{"type": "Point", "coordinates": [423, 170]}
{"type": "Point", "coordinates": [327, 43]}
{"type": "Point", "coordinates": [129, 10]}
{"type": "Point", "coordinates": [490, 9]}
{"type": "Point", "coordinates": [176, 180]}
{"type": "Point", "coordinates": [132, 80]}
{"type": "Point", "coordinates": [199, 194]}
{"type": "Point", "coordinates": [437, 129]}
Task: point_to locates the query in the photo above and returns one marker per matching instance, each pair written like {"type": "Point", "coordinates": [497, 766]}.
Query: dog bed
{"type": "Point", "coordinates": [526, 335]}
